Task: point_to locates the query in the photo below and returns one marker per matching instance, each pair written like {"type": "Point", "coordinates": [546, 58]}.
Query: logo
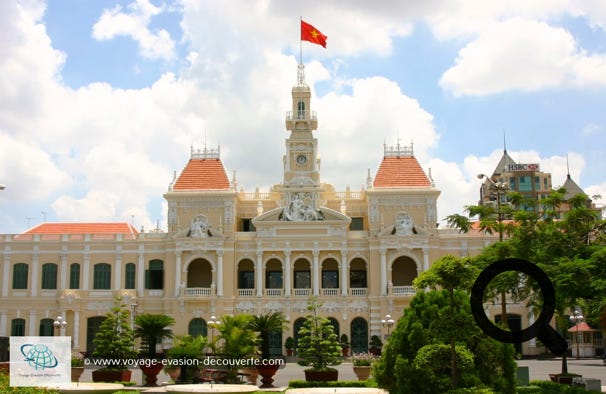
{"type": "Point", "coordinates": [39, 356]}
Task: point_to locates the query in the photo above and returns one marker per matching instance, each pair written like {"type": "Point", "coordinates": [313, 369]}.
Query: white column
{"type": "Point", "coordinates": [32, 323]}
{"type": "Point", "coordinates": [425, 259]}
{"type": "Point", "coordinates": [219, 273]}
{"type": "Point", "coordinates": [63, 271]}
{"type": "Point", "coordinates": [35, 267]}
{"type": "Point", "coordinates": [86, 268]}
{"type": "Point", "coordinates": [5, 272]}
{"type": "Point", "coordinates": [344, 269]}
{"type": "Point", "coordinates": [315, 273]}
{"type": "Point", "coordinates": [178, 269]}
{"type": "Point", "coordinates": [259, 274]}
{"type": "Point", "coordinates": [287, 274]}
{"type": "Point", "coordinates": [141, 271]}
{"type": "Point", "coordinates": [3, 328]}
{"type": "Point", "coordinates": [76, 337]}
{"type": "Point", "coordinates": [383, 272]}
{"type": "Point", "coordinates": [118, 273]}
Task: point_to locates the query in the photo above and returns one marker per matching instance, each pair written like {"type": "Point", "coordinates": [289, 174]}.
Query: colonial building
{"type": "Point", "coordinates": [228, 251]}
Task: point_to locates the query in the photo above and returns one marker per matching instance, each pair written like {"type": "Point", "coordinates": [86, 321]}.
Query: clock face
{"type": "Point", "coordinates": [301, 159]}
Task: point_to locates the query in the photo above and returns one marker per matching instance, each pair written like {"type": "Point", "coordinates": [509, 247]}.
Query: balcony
{"type": "Point", "coordinates": [358, 291]}
{"type": "Point", "coordinates": [302, 292]}
{"type": "Point", "coordinates": [246, 292]}
{"type": "Point", "coordinates": [198, 291]}
{"type": "Point", "coordinates": [406, 291]}
{"type": "Point", "coordinates": [330, 292]}
{"type": "Point", "coordinates": [274, 292]}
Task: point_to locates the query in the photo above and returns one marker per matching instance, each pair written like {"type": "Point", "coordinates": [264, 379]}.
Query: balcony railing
{"type": "Point", "coordinates": [330, 292]}
{"type": "Point", "coordinates": [273, 292]}
{"type": "Point", "coordinates": [198, 291]}
{"type": "Point", "coordinates": [403, 290]}
{"type": "Point", "coordinates": [246, 292]}
{"type": "Point", "coordinates": [358, 291]}
{"type": "Point", "coordinates": [302, 292]}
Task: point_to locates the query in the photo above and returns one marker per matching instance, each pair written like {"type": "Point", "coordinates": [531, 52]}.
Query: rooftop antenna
{"type": "Point", "coordinates": [29, 220]}
{"type": "Point", "coordinates": [43, 216]}
{"type": "Point", "coordinates": [504, 142]}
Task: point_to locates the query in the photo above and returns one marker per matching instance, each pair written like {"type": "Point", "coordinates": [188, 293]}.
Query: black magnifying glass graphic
{"type": "Point", "coordinates": [540, 328]}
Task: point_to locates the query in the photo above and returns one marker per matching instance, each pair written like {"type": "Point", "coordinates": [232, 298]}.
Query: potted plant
{"type": "Point", "coordinates": [267, 325]}
{"type": "Point", "coordinates": [114, 341]}
{"type": "Point", "coordinates": [344, 345]}
{"type": "Point", "coordinates": [180, 364]}
{"type": "Point", "coordinates": [289, 344]}
{"type": "Point", "coordinates": [375, 345]}
{"type": "Point", "coordinates": [77, 366]}
{"type": "Point", "coordinates": [362, 363]}
{"type": "Point", "coordinates": [236, 341]}
{"type": "Point", "coordinates": [318, 346]}
{"type": "Point", "coordinates": [152, 328]}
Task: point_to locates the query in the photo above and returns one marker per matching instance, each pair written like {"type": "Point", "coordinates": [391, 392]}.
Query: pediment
{"type": "Point", "coordinates": [329, 215]}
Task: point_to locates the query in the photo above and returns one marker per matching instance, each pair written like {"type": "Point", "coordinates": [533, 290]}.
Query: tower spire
{"type": "Point", "coordinates": [504, 142]}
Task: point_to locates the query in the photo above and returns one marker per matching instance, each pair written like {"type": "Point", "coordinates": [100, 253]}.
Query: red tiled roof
{"type": "Point", "coordinates": [401, 171]}
{"type": "Point", "coordinates": [83, 228]}
{"type": "Point", "coordinates": [202, 174]}
{"type": "Point", "coordinates": [581, 327]}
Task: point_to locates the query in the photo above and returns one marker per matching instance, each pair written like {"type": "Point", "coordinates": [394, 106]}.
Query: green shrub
{"type": "Point", "coordinates": [549, 387]}
{"type": "Point", "coordinates": [303, 384]}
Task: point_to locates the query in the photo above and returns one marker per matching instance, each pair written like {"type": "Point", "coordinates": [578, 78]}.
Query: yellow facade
{"type": "Point", "coordinates": [228, 251]}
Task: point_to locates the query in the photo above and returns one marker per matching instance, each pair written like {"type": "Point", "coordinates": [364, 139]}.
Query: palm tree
{"type": "Point", "coordinates": [266, 325]}
{"type": "Point", "coordinates": [151, 328]}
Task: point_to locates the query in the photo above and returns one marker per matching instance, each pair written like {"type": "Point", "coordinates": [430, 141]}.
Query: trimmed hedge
{"type": "Point", "coordinates": [303, 384]}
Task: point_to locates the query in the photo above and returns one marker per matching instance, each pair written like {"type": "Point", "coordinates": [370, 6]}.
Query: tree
{"type": "Point", "coordinates": [318, 345]}
{"type": "Point", "coordinates": [266, 325]}
{"type": "Point", "coordinates": [115, 338]}
{"type": "Point", "coordinates": [151, 328]}
{"type": "Point", "coordinates": [425, 323]}
{"type": "Point", "coordinates": [236, 341]}
{"type": "Point", "coordinates": [450, 273]}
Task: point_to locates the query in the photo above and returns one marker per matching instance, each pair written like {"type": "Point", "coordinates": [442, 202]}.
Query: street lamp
{"type": "Point", "coordinates": [576, 318]}
{"type": "Point", "coordinates": [59, 324]}
{"type": "Point", "coordinates": [388, 322]}
{"type": "Point", "coordinates": [213, 322]}
{"type": "Point", "coordinates": [499, 188]}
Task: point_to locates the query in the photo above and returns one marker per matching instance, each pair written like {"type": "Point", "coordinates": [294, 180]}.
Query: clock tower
{"type": "Point", "coordinates": [301, 183]}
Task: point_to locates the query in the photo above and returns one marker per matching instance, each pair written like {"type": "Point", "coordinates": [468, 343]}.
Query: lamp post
{"type": "Point", "coordinates": [388, 322]}
{"type": "Point", "coordinates": [213, 322]}
{"type": "Point", "coordinates": [59, 324]}
{"type": "Point", "coordinates": [500, 188]}
{"type": "Point", "coordinates": [576, 318]}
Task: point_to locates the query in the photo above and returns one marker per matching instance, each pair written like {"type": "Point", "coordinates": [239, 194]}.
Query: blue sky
{"type": "Point", "coordinates": [100, 101]}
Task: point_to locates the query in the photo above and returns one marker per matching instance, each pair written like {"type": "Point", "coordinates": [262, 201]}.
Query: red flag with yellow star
{"type": "Point", "coordinates": [311, 34]}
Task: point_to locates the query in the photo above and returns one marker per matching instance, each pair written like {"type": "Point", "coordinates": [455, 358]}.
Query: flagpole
{"type": "Point", "coordinates": [300, 41]}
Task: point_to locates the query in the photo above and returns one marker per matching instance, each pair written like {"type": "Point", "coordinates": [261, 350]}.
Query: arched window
{"type": "Point", "coordinates": [46, 328]}
{"type": "Point", "coordinates": [18, 327]}
{"type": "Point", "coordinates": [102, 274]}
{"type": "Point", "coordinates": [301, 110]}
{"type": "Point", "coordinates": [20, 276]}
{"type": "Point", "coordinates": [49, 276]}
{"type": "Point", "coordinates": [197, 327]}
{"type": "Point", "coordinates": [129, 276]}
{"type": "Point", "coordinates": [154, 276]}
{"type": "Point", "coordinates": [74, 276]}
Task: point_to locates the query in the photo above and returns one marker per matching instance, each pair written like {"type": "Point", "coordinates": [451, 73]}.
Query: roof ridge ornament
{"type": "Point", "coordinates": [398, 150]}
{"type": "Point", "coordinates": [205, 153]}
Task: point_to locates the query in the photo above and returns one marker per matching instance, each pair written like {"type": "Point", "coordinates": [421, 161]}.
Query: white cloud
{"type": "Point", "coordinates": [135, 24]}
{"type": "Point", "coordinates": [525, 55]}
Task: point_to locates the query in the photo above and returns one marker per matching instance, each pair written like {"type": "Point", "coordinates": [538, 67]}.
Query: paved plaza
{"type": "Point", "coordinates": [538, 370]}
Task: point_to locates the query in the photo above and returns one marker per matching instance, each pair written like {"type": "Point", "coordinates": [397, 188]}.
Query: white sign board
{"type": "Point", "coordinates": [40, 361]}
